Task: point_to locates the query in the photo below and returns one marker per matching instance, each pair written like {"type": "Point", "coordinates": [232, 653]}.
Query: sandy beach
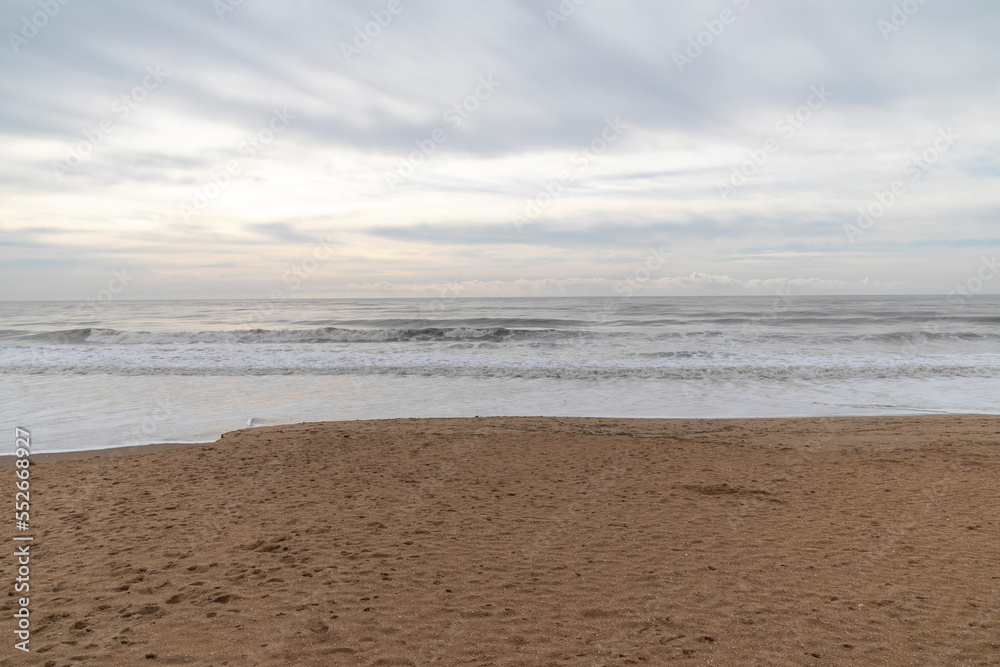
{"type": "Point", "coordinates": [524, 541]}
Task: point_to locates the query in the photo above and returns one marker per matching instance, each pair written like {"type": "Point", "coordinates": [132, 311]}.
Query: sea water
{"type": "Point", "coordinates": [105, 374]}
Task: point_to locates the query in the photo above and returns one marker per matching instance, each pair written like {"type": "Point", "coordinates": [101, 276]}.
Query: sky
{"type": "Point", "coordinates": [298, 149]}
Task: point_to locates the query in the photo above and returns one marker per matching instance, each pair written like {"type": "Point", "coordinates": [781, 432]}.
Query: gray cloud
{"type": "Point", "coordinates": [355, 120]}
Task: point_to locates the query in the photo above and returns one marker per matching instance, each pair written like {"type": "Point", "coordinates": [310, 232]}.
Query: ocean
{"type": "Point", "coordinates": [93, 375]}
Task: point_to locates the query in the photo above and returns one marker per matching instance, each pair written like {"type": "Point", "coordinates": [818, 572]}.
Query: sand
{"type": "Point", "coordinates": [525, 541]}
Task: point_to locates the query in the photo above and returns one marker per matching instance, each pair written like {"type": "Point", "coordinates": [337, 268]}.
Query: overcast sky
{"type": "Point", "coordinates": [399, 148]}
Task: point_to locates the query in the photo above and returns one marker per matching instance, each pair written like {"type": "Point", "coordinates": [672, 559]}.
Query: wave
{"type": "Point", "coordinates": [443, 322]}
{"type": "Point", "coordinates": [836, 319]}
{"type": "Point", "coordinates": [551, 371]}
{"type": "Point", "coordinates": [751, 334]}
{"type": "Point", "coordinates": [266, 336]}
{"type": "Point", "coordinates": [925, 335]}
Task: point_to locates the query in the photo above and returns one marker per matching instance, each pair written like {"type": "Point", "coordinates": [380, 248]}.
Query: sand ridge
{"type": "Point", "coordinates": [527, 541]}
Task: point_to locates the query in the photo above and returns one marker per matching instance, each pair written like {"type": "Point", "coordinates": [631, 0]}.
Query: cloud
{"type": "Point", "coordinates": [696, 284]}
{"type": "Point", "coordinates": [361, 119]}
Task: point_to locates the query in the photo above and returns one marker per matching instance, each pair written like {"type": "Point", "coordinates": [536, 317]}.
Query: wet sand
{"type": "Point", "coordinates": [524, 541]}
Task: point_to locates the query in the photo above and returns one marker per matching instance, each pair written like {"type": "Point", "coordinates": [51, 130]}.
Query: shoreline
{"type": "Point", "coordinates": [153, 447]}
{"type": "Point", "coordinates": [107, 452]}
